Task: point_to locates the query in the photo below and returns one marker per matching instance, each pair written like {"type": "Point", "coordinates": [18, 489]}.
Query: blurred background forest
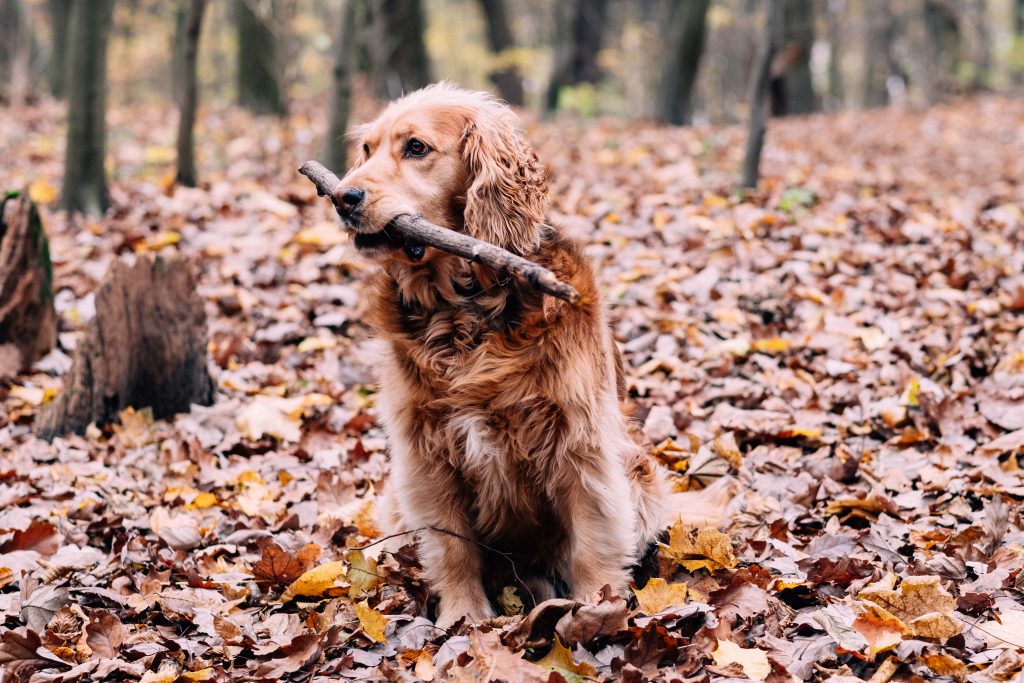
{"type": "Point", "coordinates": [677, 61]}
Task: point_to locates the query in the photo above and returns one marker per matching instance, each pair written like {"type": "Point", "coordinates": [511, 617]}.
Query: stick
{"type": "Point", "coordinates": [416, 229]}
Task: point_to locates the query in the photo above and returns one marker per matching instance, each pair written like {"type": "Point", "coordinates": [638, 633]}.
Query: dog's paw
{"type": "Point", "coordinates": [450, 612]}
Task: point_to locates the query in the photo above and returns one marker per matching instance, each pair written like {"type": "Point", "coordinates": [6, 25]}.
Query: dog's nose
{"type": "Point", "coordinates": [349, 199]}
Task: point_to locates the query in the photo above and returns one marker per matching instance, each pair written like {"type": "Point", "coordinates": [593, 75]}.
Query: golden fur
{"type": "Point", "coordinates": [503, 407]}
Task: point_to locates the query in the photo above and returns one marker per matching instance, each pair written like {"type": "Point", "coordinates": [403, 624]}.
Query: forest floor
{"type": "Point", "coordinates": [848, 342]}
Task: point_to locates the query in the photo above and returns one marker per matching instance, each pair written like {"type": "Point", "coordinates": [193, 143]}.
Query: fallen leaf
{"type": "Point", "coordinates": [658, 595]}
{"type": "Point", "coordinates": [327, 579]}
{"type": "Point", "coordinates": [371, 621]}
{"type": "Point", "coordinates": [559, 659]}
{"type": "Point", "coordinates": [705, 548]}
{"type": "Point", "coordinates": [752, 661]}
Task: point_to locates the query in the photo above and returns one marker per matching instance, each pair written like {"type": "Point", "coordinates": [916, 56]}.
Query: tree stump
{"type": "Point", "coordinates": [145, 347]}
{"type": "Point", "coordinates": [28, 322]}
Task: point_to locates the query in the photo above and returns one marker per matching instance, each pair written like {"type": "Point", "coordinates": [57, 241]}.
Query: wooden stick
{"type": "Point", "coordinates": [418, 230]}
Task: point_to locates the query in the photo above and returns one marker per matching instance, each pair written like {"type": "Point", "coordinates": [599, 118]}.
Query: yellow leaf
{"type": "Point", "coordinates": [699, 549]}
{"type": "Point", "coordinates": [203, 500]}
{"type": "Point", "coordinates": [559, 659]}
{"type": "Point", "coordinates": [658, 595]}
{"type": "Point", "coordinates": [371, 621]}
{"type": "Point", "coordinates": [42, 192]}
{"type": "Point", "coordinates": [753, 661]}
{"type": "Point", "coordinates": [362, 574]}
{"type": "Point", "coordinates": [805, 432]}
{"type": "Point", "coordinates": [164, 239]}
{"type": "Point", "coordinates": [327, 579]}
{"type": "Point", "coordinates": [771, 345]}
{"type": "Point", "coordinates": [911, 397]}
{"type": "Point", "coordinates": [198, 675]}
{"type": "Point", "coordinates": [250, 477]}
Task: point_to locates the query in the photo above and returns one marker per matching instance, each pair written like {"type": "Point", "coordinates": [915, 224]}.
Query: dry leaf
{"type": "Point", "coordinates": [371, 621]}
{"type": "Point", "coordinates": [658, 595]}
{"type": "Point", "coordinates": [753, 661]}
{"type": "Point", "coordinates": [699, 549]}
{"type": "Point", "coordinates": [326, 580]}
{"type": "Point", "coordinates": [559, 659]}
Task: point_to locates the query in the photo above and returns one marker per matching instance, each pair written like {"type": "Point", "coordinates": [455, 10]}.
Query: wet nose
{"type": "Point", "coordinates": [348, 200]}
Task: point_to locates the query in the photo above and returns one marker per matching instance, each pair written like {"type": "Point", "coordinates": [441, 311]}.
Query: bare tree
{"type": "Point", "coordinates": [260, 72]}
{"type": "Point", "coordinates": [85, 185]}
{"type": "Point", "coordinates": [341, 103]}
{"type": "Point", "coordinates": [580, 28]}
{"type": "Point", "coordinates": [759, 86]}
{"type": "Point", "coordinates": [684, 46]}
{"type": "Point", "coordinates": [189, 95]}
{"type": "Point", "coordinates": [505, 76]}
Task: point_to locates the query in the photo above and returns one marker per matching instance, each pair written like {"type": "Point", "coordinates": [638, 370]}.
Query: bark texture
{"type": "Point", "coordinates": [683, 49]}
{"type": "Point", "coordinates": [189, 96]}
{"type": "Point", "coordinates": [505, 75]}
{"type": "Point", "coordinates": [28, 322]}
{"type": "Point", "coordinates": [146, 346]}
{"type": "Point", "coordinates": [85, 185]}
{"type": "Point", "coordinates": [415, 230]}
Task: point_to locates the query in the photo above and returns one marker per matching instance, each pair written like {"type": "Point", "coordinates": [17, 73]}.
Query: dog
{"type": "Point", "coordinates": [512, 455]}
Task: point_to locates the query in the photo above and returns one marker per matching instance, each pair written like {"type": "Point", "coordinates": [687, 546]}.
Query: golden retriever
{"type": "Point", "coordinates": [511, 454]}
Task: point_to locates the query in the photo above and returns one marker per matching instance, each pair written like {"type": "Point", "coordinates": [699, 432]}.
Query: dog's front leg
{"type": "Point", "coordinates": [601, 523]}
{"type": "Point", "coordinates": [452, 565]}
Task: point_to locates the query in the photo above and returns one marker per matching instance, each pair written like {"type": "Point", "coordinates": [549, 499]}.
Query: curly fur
{"type": "Point", "coordinates": [503, 407]}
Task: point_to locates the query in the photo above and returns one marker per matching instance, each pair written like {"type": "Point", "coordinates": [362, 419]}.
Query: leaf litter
{"type": "Point", "coordinates": [847, 341]}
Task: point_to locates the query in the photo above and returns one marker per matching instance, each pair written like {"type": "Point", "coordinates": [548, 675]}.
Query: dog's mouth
{"type": "Point", "coordinates": [387, 239]}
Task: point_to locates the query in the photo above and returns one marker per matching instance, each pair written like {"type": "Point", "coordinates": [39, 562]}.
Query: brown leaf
{"type": "Point", "coordinates": [276, 567]}
{"type": "Point", "coordinates": [40, 536]}
{"type": "Point", "coordinates": [105, 634]}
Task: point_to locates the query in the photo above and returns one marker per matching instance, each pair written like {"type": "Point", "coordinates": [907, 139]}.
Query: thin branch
{"type": "Point", "coordinates": [415, 229]}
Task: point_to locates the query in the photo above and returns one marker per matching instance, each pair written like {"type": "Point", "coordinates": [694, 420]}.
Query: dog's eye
{"type": "Point", "coordinates": [416, 148]}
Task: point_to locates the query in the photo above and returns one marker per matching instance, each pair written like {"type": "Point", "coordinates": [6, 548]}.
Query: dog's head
{"type": "Point", "coordinates": [453, 157]}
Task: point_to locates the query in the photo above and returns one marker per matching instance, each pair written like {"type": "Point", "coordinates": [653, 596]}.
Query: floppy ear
{"type": "Point", "coordinates": [507, 194]}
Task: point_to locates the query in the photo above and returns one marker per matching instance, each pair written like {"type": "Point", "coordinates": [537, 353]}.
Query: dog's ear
{"type": "Point", "coordinates": [507, 194]}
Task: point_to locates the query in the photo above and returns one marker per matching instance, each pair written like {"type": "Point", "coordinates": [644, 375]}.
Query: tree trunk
{"type": "Point", "coordinates": [341, 102]}
{"type": "Point", "coordinates": [57, 70]}
{"type": "Point", "coordinates": [684, 46]}
{"type": "Point", "coordinates": [398, 53]}
{"type": "Point", "coordinates": [834, 19]}
{"type": "Point", "coordinates": [260, 73]}
{"type": "Point", "coordinates": [792, 88]}
{"type": "Point", "coordinates": [146, 347]}
{"type": "Point", "coordinates": [576, 61]}
{"type": "Point", "coordinates": [15, 52]}
{"type": "Point", "coordinates": [85, 186]}
{"type": "Point", "coordinates": [759, 86]}
{"type": "Point", "coordinates": [878, 64]}
{"type": "Point", "coordinates": [505, 75]}
{"type": "Point", "coordinates": [189, 93]}
{"type": "Point", "coordinates": [28, 322]}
